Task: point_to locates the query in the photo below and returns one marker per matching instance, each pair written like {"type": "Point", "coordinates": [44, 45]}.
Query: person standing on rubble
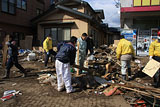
{"type": "Point", "coordinates": [154, 53]}
{"type": "Point", "coordinates": [64, 58]}
{"type": "Point", "coordinates": [13, 58]}
{"type": "Point", "coordinates": [48, 48]}
{"type": "Point", "coordinates": [81, 51]}
{"type": "Point", "coordinates": [90, 45]}
{"type": "Point", "coordinates": [125, 52]}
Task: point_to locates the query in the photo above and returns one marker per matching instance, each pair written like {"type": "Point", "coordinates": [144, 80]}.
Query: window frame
{"type": "Point", "coordinates": [142, 5]}
{"type": "Point", "coordinates": [21, 7]}
{"type": "Point", "coordinates": [40, 11]}
{"type": "Point", "coordinates": [8, 7]}
{"type": "Point", "coordinates": [57, 39]}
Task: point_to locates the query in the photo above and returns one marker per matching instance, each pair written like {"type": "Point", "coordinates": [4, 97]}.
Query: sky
{"type": "Point", "coordinates": [112, 16]}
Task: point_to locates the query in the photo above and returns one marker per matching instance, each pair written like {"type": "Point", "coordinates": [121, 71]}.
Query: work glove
{"type": "Point", "coordinates": [47, 53]}
{"type": "Point", "coordinates": [150, 57]}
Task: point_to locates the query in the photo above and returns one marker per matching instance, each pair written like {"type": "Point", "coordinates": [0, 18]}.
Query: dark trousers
{"type": "Point", "coordinates": [51, 52]}
{"type": "Point", "coordinates": [90, 50]}
{"type": "Point", "coordinates": [157, 75]}
{"type": "Point", "coordinates": [13, 60]}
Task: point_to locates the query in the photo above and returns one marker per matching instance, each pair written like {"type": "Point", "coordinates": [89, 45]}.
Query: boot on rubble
{"type": "Point", "coordinates": [129, 73]}
{"type": "Point", "coordinates": [24, 73]}
{"type": "Point", "coordinates": [7, 73]}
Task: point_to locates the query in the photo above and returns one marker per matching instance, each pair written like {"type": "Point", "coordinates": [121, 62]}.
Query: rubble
{"type": "Point", "coordinates": [101, 76]}
{"type": "Point", "coordinates": [10, 94]}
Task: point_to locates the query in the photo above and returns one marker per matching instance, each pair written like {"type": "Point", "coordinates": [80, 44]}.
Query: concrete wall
{"type": "Point", "coordinates": [126, 3]}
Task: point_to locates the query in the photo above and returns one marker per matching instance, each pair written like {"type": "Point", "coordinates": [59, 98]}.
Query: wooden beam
{"type": "Point", "coordinates": [5, 49]}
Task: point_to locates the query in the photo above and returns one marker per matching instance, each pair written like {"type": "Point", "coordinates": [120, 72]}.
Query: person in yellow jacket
{"type": "Point", "coordinates": [125, 53]}
{"type": "Point", "coordinates": [154, 53]}
{"type": "Point", "coordinates": [48, 48]}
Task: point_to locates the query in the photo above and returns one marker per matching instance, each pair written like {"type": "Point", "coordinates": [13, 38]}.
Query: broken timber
{"type": "Point", "coordinates": [5, 48]}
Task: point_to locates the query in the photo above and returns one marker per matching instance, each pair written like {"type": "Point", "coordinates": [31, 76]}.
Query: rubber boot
{"type": "Point", "coordinates": [129, 71]}
{"type": "Point", "coordinates": [24, 73]}
{"type": "Point", "coordinates": [129, 74]}
{"type": "Point", "coordinates": [124, 77]}
{"type": "Point", "coordinates": [156, 80]}
{"type": "Point", "coordinates": [7, 73]}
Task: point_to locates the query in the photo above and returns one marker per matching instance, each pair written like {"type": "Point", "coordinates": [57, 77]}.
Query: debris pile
{"type": "Point", "coordinates": [10, 94]}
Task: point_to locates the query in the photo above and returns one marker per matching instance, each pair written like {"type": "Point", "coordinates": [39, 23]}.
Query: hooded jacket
{"type": "Point", "coordinates": [124, 47]}
{"type": "Point", "coordinates": [154, 49]}
{"type": "Point", "coordinates": [47, 44]}
{"type": "Point", "coordinates": [67, 53]}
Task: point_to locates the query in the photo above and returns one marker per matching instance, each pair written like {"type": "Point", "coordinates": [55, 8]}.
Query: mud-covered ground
{"type": "Point", "coordinates": [38, 95]}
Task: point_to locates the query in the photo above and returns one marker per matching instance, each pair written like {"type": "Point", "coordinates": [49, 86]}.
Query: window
{"type": "Point", "coordinates": [58, 34]}
{"type": "Point", "coordinates": [39, 11]}
{"type": "Point", "coordinates": [22, 4]}
{"type": "Point", "coordinates": [146, 2]}
{"type": "Point", "coordinates": [76, 9]}
{"type": "Point", "coordinates": [8, 6]}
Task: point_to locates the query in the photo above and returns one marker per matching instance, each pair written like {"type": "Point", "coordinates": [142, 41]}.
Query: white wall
{"type": "Point", "coordinates": [126, 3]}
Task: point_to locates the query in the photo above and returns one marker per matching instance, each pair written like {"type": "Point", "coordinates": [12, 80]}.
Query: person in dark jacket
{"type": "Point", "coordinates": [64, 58]}
{"type": "Point", "coordinates": [90, 45]}
{"type": "Point", "coordinates": [13, 58]}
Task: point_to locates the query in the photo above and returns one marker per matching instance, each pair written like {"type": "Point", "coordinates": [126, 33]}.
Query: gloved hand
{"type": "Point", "coordinates": [47, 53]}
{"type": "Point", "coordinates": [150, 57]}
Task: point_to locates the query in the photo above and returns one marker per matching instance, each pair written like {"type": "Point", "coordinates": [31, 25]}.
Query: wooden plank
{"type": "Point", "coordinates": [28, 42]}
{"type": "Point", "coordinates": [5, 48]}
{"type": "Point", "coordinates": [134, 86]}
{"type": "Point", "coordinates": [151, 68]}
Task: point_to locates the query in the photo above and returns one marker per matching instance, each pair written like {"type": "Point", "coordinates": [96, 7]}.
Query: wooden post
{"type": "Point", "coordinates": [5, 48]}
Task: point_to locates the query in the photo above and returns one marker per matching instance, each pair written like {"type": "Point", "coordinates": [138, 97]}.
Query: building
{"type": "Point", "coordinates": [142, 16]}
{"type": "Point", "coordinates": [70, 18]}
{"type": "Point", "coordinates": [15, 16]}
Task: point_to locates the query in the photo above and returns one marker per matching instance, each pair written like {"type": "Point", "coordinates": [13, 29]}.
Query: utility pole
{"type": "Point", "coordinates": [117, 3]}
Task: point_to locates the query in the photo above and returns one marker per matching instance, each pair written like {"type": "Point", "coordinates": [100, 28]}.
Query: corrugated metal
{"type": "Point", "coordinates": [137, 2]}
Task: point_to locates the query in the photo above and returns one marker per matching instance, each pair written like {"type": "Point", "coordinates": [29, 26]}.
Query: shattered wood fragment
{"type": "Point", "coordinates": [5, 48]}
{"type": "Point", "coordinates": [141, 92]}
{"type": "Point", "coordinates": [133, 86]}
{"type": "Point", "coordinates": [47, 70]}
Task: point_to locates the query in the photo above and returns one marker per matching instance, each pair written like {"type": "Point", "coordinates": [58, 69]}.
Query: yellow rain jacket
{"type": "Point", "coordinates": [154, 49]}
{"type": "Point", "coordinates": [47, 44]}
{"type": "Point", "coordinates": [124, 47]}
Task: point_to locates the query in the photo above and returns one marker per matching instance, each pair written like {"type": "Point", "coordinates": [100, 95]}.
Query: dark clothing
{"type": "Point", "coordinates": [13, 59]}
{"type": "Point", "coordinates": [90, 45]}
{"type": "Point", "coordinates": [51, 52]}
{"type": "Point", "coordinates": [67, 53]}
{"type": "Point", "coordinates": [12, 49]}
{"type": "Point", "coordinates": [59, 45]}
{"type": "Point", "coordinates": [157, 75]}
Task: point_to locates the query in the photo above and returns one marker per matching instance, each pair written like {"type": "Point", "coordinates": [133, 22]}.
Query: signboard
{"type": "Point", "coordinates": [151, 68]}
